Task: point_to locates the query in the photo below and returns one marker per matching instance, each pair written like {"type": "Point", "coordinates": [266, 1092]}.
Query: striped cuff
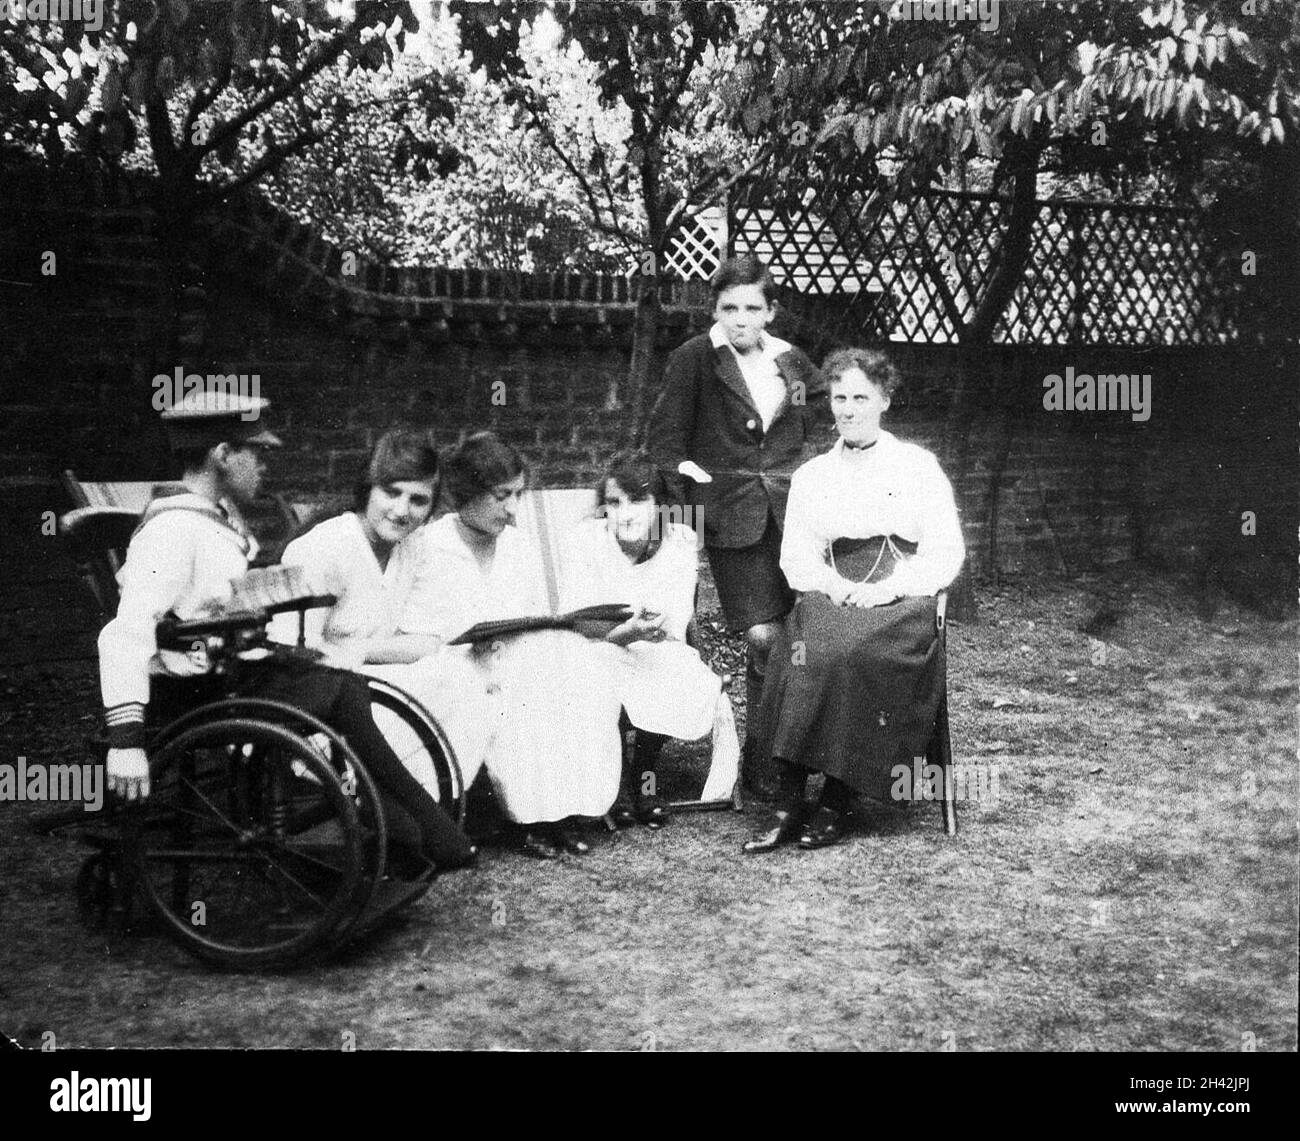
{"type": "Point", "coordinates": [125, 725]}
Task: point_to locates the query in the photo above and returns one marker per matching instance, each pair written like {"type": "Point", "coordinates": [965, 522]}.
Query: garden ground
{"type": "Point", "coordinates": [1132, 885]}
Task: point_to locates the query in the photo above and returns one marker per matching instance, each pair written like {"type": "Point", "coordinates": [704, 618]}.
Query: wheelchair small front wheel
{"type": "Point", "coordinates": [249, 848]}
{"type": "Point", "coordinates": [98, 891]}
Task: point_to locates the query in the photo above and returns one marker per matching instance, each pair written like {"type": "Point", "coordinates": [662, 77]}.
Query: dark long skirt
{"type": "Point", "coordinates": [852, 692]}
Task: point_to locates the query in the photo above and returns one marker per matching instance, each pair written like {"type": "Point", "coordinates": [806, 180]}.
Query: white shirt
{"type": "Point", "coordinates": [452, 592]}
{"type": "Point", "coordinates": [183, 558]}
{"type": "Point", "coordinates": [339, 560]}
{"type": "Point", "coordinates": [665, 582]}
{"type": "Point", "coordinates": [892, 488]}
{"type": "Point", "coordinates": [762, 377]}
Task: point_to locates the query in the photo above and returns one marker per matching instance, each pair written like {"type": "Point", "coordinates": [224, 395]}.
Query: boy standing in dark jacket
{"type": "Point", "coordinates": [738, 413]}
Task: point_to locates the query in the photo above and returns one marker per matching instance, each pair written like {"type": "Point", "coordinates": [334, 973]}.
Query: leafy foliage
{"type": "Point", "coordinates": [1120, 90]}
{"type": "Point", "coordinates": [199, 80]}
{"type": "Point", "coordinates": [427, 163]}
{"type": "Point", "coordinates": [651, 61]}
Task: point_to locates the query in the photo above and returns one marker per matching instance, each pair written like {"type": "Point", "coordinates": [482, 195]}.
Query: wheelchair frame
{"type": "Point", "coordinates": [263, 844]}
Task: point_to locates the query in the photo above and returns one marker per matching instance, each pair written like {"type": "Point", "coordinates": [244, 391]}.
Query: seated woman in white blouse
{"type": "Point", "coordinates": [555, 750]}
{"type": "Point", "coordinates": [368, 559]}
{"type": "Point", "coordinates": [871, 536]}
{"type": "Point", "coordinates": [635, 553]}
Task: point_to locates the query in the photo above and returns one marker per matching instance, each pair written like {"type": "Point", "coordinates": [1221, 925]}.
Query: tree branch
{"type": "Point", "coordinates": [604, 175]}
{"type": "Point", "coordinates": [668, 105]}
{"type": "Point", "coordinates": [160, 132]}
{"type": "Point", "coordinates": [204, 99]}
{"type": "Point", "coordinates": [274, 157]}
{"type": "Point", "coordinates": [611, 229]}
{"type": "Point", "coordinates": [327, 55]}
{"type": "Point", "coordinates": [935, 272]}
{"type": "Point", "coordinates": [695, 198]}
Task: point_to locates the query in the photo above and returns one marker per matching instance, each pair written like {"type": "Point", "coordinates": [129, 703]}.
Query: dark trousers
{"type": "Point", "coordinates": [644, 758]}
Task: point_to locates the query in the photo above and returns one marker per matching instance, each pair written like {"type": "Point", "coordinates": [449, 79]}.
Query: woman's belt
{"type": "Point", "coordinates": [870, 559]}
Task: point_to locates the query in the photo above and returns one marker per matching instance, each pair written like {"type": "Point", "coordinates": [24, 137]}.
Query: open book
{"type": "Point", "coordinates": [612, 614]}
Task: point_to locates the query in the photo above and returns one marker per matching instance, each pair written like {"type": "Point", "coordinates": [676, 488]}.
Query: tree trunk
{"type": "Point", "coordinates": [641, 371]}
{"type": "Point", "coordinates": [1004, 433]}
{"type": "Point", "coordinates": [976, 338]}
{"type": "Point", "coordinates": [645, 328]}
{"type": "Point", "coordinates": [179, 338]}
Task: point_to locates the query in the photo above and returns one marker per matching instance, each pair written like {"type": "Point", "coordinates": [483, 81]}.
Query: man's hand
{"type": "Point", "coordinates": [128, 773]}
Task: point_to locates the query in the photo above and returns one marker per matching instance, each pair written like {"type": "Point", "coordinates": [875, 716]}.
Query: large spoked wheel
{"type": "Point", "coordinates": [250, 848]}
{"type": "Point", "coordinates": [345, 763]}
{"type": "Point", "coordinates": [420, 744]}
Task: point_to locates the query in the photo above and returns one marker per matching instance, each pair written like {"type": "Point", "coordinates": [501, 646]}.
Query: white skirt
{"type": "Point", "coordinates": [556, 749]}
{"type": "Point", "coordinates": [664, 686]}
{"type": "Point", "coordinates": [456, 693]}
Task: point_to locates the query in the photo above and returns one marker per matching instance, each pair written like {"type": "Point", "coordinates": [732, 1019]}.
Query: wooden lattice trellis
{"type": "Point", "coordinates": [914, 269]}
{"type": "Point", "coordinates": [697, 249]}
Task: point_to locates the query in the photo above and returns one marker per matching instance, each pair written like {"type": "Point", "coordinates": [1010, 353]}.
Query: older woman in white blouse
{"type": "Point", "coordinates": [369, 559]}
{"type": "Point", "coordinates": [871, 536]}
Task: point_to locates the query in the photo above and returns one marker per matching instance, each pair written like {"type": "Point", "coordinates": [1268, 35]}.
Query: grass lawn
{"type": "Point", "coordinates": [1132, 885]}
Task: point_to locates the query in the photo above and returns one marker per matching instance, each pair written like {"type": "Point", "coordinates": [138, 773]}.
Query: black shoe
{"type": "Point", "coordinates": [537, 844]}
{"type": "Point", "coordinates": [824, 829]}
{"type": "Point", "coordinates": [652, 811]}
{"type": "Point", "coordinates": [624, 814]}
{"type": "Point", "coordinates": [466, 858]}
{"type": "Point", "coordinates": [570, 842]}
{"type": "Point", "coordinates": [408, 865]}
{"type": "Point", "coordinates": [780, 828]}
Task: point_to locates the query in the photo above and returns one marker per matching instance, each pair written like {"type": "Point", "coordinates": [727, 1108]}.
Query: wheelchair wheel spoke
{"type": "Point", "coordinates": [215, 811]}
{"type": "Point", "coordinates": [271, 847]}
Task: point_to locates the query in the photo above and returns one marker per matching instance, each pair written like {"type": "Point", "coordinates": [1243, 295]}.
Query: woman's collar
{"type": "Point", "coordinates": [882, 442]}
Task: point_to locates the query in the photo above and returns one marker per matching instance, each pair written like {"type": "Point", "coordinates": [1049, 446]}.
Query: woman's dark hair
{"type": "Point", "coordinates": [746, 270]}
{"type": "Point", "coordinates": [401, 454]}
{"type": "Point", "coordinates": [879, 369]}
{"type": "Point", "coordinates": [637, 474]}
{"type": "Point", "coordinates": [480, 464]}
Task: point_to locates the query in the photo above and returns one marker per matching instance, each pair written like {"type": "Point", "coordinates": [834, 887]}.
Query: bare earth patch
{"type": "Point", "coordinates": [1132, 886]}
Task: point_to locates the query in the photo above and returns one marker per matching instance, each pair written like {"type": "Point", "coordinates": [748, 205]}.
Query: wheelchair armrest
{"type": "Point", "coordinates": [310, 602]}
{"type": "Point", "coordinates": [174, 634]}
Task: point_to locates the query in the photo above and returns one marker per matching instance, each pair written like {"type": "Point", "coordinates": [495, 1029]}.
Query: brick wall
{"type": "Point", "coordinates": [542, 359]}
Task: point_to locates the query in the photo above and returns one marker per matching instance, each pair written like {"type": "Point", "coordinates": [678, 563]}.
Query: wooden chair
{"type": "Point", "coordinates": [281, 517]}
{"type": "Point", "coordinates": [96, 538]}
{"type": "Point", "coordinates": [939, 750]}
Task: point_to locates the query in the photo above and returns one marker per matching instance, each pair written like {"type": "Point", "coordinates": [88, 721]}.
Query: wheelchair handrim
{"type": "Point", "coordinates": [270, 952]}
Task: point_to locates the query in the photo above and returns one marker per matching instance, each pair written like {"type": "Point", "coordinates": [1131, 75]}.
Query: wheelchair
{"type": "Point", "coordinates": [263, 844]}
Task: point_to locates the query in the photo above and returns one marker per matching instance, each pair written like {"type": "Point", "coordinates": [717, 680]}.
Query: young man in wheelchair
{"type": "Point", "coordinates": [182, 560]}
